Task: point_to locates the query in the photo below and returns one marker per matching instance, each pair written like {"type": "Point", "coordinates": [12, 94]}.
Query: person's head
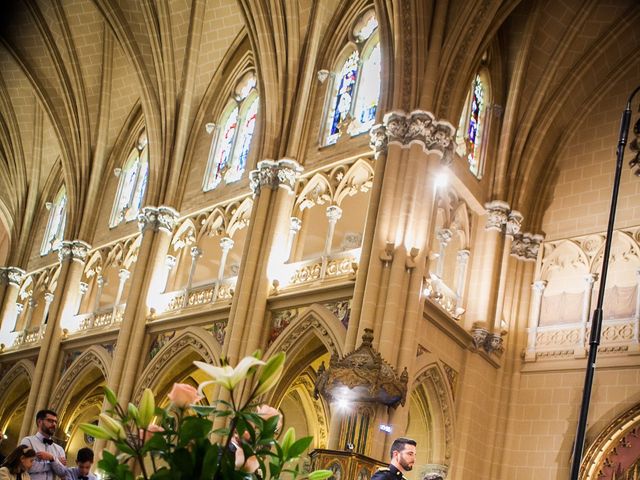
{"type": "Point", "coordinates": [47, 422]}
{"type": "Point", "coordinates": [84, 461]}
{"type": "Point", "coordinates": [20, 460]}
{"type": "Point", "coordinates": [403, 453]}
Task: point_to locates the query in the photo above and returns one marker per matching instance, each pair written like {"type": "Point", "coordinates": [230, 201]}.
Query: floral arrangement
{"type": "Point", "coordinates": [180, 442]}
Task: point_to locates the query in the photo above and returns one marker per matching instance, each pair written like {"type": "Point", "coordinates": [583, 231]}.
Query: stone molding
{"type": "Point", "coordinates": [73, 250]}
{"type": "Point", "coordinates": [11, 276]}
{"type": "Point", "coordinates": [160, 218]}
{"type": "Point", "coordinates": [526, 246]}
{"type": "Point", "coordinates": [488, 341]}
{"type": "Point", "coordinates": [273, 174]}
{"type": "Point", "coordinates": [418, 126]}
{"type": "Point", "coordinates": [497, 215]}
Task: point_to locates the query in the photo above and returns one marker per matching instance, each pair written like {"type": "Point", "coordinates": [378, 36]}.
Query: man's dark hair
{"type": "Point", "coordinates": [399, 444]}
{"type": "Point", "coordinates": [84, 455]}
{"type": "Point", "coordinates": [42, 414]}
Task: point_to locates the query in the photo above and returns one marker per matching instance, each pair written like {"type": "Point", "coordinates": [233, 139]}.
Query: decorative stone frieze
{"type": "Point", "coordinates": [514, 223]}
{"type": "Point", "coordinates": [418, 126]}
{"type": "Point", "coordinates": [76, 250]}
{"type": "Point", "coordinates": [160, 218]}
{"type": "Point", "coordinates": [488, 341]}
{"type": "Point", "coordinates": [273, 174]}
{"type": "Point", "coordinates": [11, 276]}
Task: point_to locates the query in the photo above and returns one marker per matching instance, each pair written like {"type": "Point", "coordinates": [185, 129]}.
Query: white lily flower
{"type": "Point", "coordinates": [228, 376]}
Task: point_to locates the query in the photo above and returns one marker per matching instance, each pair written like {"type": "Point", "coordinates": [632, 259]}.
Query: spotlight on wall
{"type": "Point", "coordinates": [441, 180]}
{"type": "Point", "coordinates": [343, 403]}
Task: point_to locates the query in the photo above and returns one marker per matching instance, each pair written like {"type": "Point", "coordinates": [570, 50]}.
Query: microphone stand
{"type": "Point", "coordinates": [596, 323]}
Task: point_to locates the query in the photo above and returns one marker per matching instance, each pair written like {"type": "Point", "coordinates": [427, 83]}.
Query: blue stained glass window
{"type": "Point", "coordinates": [474, 131]}
{"type": "Point", "coordinates": [344, 95]}
{"type": "Point", "coordinates": [224, 149]}
{"type": "Point", "coordinates": [54, 232]}
{"type": "Point", "coordinates": [368, 91]}
{"type": "Point", "coordinates": [133, 184]}
{"type": "Point", "coordinates": [244, 141]}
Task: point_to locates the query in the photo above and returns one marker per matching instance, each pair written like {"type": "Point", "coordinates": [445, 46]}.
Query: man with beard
{"type": "Point", "coordinates": [403, 456]}
{"type": "Point", "coordinates": [50, 458]}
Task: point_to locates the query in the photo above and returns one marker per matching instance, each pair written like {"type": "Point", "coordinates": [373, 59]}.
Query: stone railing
{"type": "Point", "coordinates": [29, 336]}
{"type": "Point", "coordinates": [438, 292]}
{"type": "Point", "coordinates": [199, 295]}
{"type": "Point", "coordinates": [343, 264]}
{"type": "Point", "coordinates": [572, 339]}
{"type": "Point", "coordinates": [101, 318]}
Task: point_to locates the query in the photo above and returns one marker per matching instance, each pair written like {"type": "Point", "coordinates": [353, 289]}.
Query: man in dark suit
{"type": "Point", "coordinates": [403, 456]}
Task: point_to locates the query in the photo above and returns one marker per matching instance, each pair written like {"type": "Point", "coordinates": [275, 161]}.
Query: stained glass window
{"type": "Point", "coordinates": [132, 185]}
{"type": "Point", "coordinates": [346, 83]}
{"type": "Point", "coordinates": [368, 91]}
{"type": "Point", "coordinates": [244, 143]}
{"type": "Point", "coordinates": [475, 125]}
{"type": "Point", "coordinates": [356, 84]}
{"type": "Point", "coordinates": [231, 143]}
{"type": "Point", "coordinates": [54, 232]}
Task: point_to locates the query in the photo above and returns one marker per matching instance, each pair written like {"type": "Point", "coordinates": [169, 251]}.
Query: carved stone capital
{"type": "Point", "coordinates": [75, 250]}
{"type": "Point", "coordinates": [160, 218]}
{"type": "Point", "coordinates": [463, 256]}
{"type": "Point", "coordinates": [497, 215]}
{"type": "Point", "coordinates": [123, 274]}
{"type": "Point", "coordinates": [196, 252]}
{"type": "Point", "coordinates": [590, 279]}
{"type": "Point", "coordinates": [11, 276]}
{"type": "Point", "coordinates": [539, 286]}
{"type": "Point", "coordinates": [295, 225]}
{"type": "Point", "coordinates": [444, 236]}
{"type": "Point", "coordinates": [84, 288]}
{"type": "Point", "coordinates": [334, 213]}
{"type": "Point", "coordinates": [48, 298]}
{"type": "Point", "coordinates": [514, 222]}
{"type": "Point", "coordinates": [488, 341]}
{"type": "Point", "coordinates": [273, 174]}
{"type": "Point", "coordinates": [534, 247]}
{"type": "Point", "coordinates": [226, 243]}
{"type": "Point", "coordinates": [418, 126]}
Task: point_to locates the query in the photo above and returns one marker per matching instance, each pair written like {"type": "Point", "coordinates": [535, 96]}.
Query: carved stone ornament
{"type": "Point", "coordinates": [11, 276]}
{"type": "Point", "coordinates": [273, 174]}
{"type": "Point", "coordinates": [418, 126]}
{"type": "Point", "coordinates": [161, 218]}
{"type": "Point", "coordinates": [486, 340]}
{"type": "Point", "coordinates": [514, 223]}
{"type": "Point", "coordinates": [497, 215]}
{"type": "Point", "coordinates": [362, 376]}
{"type": "Point", "coordinates": [73, 250]}
{"type": "Point", "coordinates": [525, 246]}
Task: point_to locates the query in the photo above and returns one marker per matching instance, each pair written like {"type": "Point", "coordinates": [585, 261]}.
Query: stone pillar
{"type": "Point", "coordinates": [100, 286]}
{"type": "Point", "coordinates": [294, 228]}
{"type": "Point", "coordinates": [444, 236]}
{"type": "Point", "coordinates": [84, 288]}
{"type": "Point", "coordinates": [273, 187]}
{"type": "Point", "coordinates": [636, 321]}
{"type": "Point", "coordinates": [534, 318]}
{"type": "Point", "coordinates": [123, 275]}
{"type": "Point", "coordinates": [512, 228]}
{"type": "Point", "coordinates": [31, 306]}
{"type": "Point", "coordinates": [72, 256]}
{"type": "Point", "coordinates": [10, 280]}
{"type": "Point", "coordinates": [334, 213]}
{"type": "Point", "coordinates": [196, 253]}
{"type": "Point", "coordinates": [226, 244]}
{"type": "Point", "coordinates": [169, 263]}
{"type": "Point", "coordinates": [413, 148]}
{"type": "Point", "coordinates": [580, 350]}
{"type": "Point", "coordinates": [156, 226]}
{"type": "Point", "coordinates": [48, 299]}
{"type": "Point", "coordinates": [462, 260]}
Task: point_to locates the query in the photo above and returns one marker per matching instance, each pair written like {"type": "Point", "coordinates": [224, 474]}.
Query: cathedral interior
{"type": "Point", "coordinates": [408, 196]}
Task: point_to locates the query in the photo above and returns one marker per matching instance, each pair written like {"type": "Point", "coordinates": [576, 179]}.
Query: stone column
{"type": "Point", "coordinates": [462, 260]}
{"type": "Point", "coordinates": [30, 306]}
{"type": "Point", "coordinates": [196, 253]}
{"type": "Point", "coordinates": [413, 148]}
{"type": "Point", "coordinates": [636, 321]}
{"type": "Point", "coordinates": [294, 228]}
{"type": "Point", "coordinates": [84, 288]}
{"type": "Point", "coordinates": [226, 244]}
{"type": "Point", "coordinates": [156, 226]}
{"type": "Point", "coordinates": [169, 263]}
{"type": "Point", "coordinates": [273, 187]}
{"type": "Point", "coordinates": [10, 280]}
{"type": "Point", "coordinates": [444, 236]}
{"type": "Point", "coordinates": [48, 299]}
{"type": "Point", "coordinates": [100, 286]}
{"type": "Point", "coordinates": [72, 256]}
{"type": "Point", "coordinates": [534, 318]}
{"type": "Point", "coordinates": [512, 228]}
{"type": "Point", "coordinates": [334, 213]}
{"type": "Point", "coordinates": [580, 350]}
{"type": "Point", "coordinates": [123, 275]}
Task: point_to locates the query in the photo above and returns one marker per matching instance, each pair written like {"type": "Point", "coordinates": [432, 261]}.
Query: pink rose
{"type": "Point", "coordinates": [151, 429]}
{"type": "Point", "coordinates": [183, 395]}
{"type": "Point", "coordinates": [266, 412]}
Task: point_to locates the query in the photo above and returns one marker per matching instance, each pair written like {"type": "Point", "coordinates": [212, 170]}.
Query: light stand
{"type": "Point", "coordinates": [596, 323]}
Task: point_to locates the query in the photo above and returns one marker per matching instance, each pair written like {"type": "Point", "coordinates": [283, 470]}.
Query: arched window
{"type": "Point", "coordinates": [232, 136]}
{"type": "Point", "coordinates": [132, 185]}
{"type": "Point", "coordinates": [355, 90]}
{"type": "Point", "coordinates": [54, 233]}
{"type": "Point", "coordinates": [472, 127]}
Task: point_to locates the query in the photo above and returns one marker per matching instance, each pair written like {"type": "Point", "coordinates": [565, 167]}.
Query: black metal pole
{"type": "Point", "coordinates": [596, 322]}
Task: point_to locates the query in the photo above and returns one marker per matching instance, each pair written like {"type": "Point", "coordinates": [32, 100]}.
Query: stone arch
{"type": "Point", "coordinates": [23, 369]}
{"type": "Point", "coordinates": [359, 178]}
{"type": "Point", "coordinates": [14, 392]}
{"type": "Point", "coordinates": [317, 191]}
{"type": "Point", "coordinates": [558, 258]}
{"type": "Point", "coordinates": [94, 357]}
{"type": "Point", "coordinates": [603, 455]}
{"type": "Point", "coordinates": [433, 390]}
{"type": "Point", "coordinates": [189, 342]}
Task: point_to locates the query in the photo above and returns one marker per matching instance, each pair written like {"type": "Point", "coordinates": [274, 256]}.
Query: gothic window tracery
{"type": "Point", "coordinates": [233, 135]}
{"type": "Point", "coordinates": [54, 232]}
{"type": "Point", "coordinates": [355, 89]}
{"type": "Point", "coordinates": [132, 185]}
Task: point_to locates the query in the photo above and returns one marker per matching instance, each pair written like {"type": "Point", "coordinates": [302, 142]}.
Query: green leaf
{"type": "Point", "coordinates": [287, 441]}
{"type": "Point", "coordinates": [163, 474]}
{"type": "Point", "coordinates": [320, 475]}
{"type": "Point", "coordinates": [296, 449]}
{"type": "Point", "coordinates": [110, 396]}
{"type": "Point", "coordinates": [270, 373]}
{"type": "Point", "coordinates": [109, 462]}
{"type": "Point", "coordinates": [194, 428]}
{"type": "Point", "coordinates": [210, 461]}
{"type": "Point", "coordinates": [204, 410]}
{"type": "Point", "coordinates": [183, 462]}
{"type": "Point", "coordinates": [96, 431]}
